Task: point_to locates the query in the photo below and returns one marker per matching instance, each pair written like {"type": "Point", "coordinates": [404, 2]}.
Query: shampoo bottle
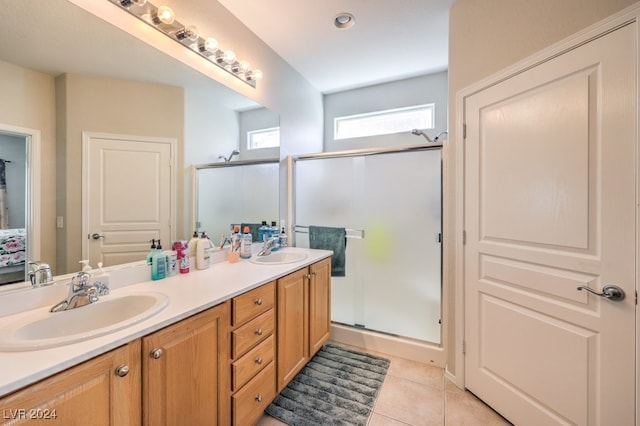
{"type": "Point", "coordinates": [245, 243]}
{"type": "Point", "coordinates": [159, 264]}
{"type": "Point", "coordinates": [192, 247]}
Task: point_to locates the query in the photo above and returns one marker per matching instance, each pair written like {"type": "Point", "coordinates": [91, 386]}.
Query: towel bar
{"type": "Point", "coordinates": [351, 233]}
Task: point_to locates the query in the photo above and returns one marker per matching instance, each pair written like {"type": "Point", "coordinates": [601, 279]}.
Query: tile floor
{"type": "Point", "coordinates": [419, 395]}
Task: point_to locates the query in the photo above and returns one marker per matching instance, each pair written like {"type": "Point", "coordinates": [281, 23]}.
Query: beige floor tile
{"type": "Point", "coordinates": [267, 420]}
{"type": "Point", "coordinates": [464, 409]}
{"type": "Point", "coordinates": [410, 402]}
{"type": "Point", "coordinates": [380, 420]}
{"type": "Point", "coordinates": [417, 372]}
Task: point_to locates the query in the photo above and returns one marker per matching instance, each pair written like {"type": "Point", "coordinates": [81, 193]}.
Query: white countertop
{"type": "Point", "coordinates": [188, 294]}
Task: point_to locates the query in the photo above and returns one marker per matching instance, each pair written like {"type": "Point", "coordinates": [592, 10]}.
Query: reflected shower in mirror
{"type": "Point", "coordinates": [240, 192]}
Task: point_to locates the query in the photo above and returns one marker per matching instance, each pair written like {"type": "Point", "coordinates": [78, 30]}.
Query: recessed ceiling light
{"type": "Point", "coordinates": [344, 20]}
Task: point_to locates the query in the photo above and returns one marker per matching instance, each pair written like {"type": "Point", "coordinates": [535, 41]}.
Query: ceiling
{"type": "Point", "coordinates": [391, 39]}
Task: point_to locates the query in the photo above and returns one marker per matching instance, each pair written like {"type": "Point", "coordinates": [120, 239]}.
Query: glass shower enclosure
{"type": "Point", "coordinates": [390, 203]}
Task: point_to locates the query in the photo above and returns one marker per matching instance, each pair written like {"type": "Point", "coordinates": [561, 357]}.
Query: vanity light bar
{"type": "Point", "coordinates": [163, 19]}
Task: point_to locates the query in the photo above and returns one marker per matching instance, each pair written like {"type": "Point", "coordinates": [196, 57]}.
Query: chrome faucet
{"type": "Point", "coordinates": [267, 246]}
{"type": "Point", "coordinates": [81, 293]}
{"type": "Point", "coordinates": [40, 274]}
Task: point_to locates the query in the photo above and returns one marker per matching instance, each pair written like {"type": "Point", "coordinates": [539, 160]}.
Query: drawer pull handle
{"type": "Point", "coordinates": [258, 360]}
{"type": "Point", "coordinates": [259, 332]}
{"type": "Point", "coordinates": [258, 398]}
{"type": "Point", "coordinates": [258, 302]}
{"type": "Point", "coordinates": [122, 370]}
{"type": "Point", "coordinates": [156, 353]}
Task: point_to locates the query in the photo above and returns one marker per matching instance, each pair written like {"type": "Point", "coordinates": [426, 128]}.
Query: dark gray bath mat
{"type": "Point", "coordinates": [337, 387]}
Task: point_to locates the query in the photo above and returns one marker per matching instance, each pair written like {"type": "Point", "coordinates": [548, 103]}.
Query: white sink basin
{"type": "Point", "coordinates": [40, 329]}
{"type": "Point", "coordinates": [279, 258]}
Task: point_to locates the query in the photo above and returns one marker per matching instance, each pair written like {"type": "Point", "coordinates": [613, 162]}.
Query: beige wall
{"type": "Point", "coordinates": [28, 100]}
{"type": "Point", "coordinates": [98, 104]}
{"type": "Point", "coordinates": [486, 36]}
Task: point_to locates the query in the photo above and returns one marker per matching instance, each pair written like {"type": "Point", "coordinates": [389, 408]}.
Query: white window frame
{"type": "Point", "coordinates": [252, 133]}
{"type": "Point", "coordinates": [398, 120]}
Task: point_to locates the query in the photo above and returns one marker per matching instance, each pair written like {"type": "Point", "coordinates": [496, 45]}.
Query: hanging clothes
{"type": "Point", "coordinates": [4, 206]}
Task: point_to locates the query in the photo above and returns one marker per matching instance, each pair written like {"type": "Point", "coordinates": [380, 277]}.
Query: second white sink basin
{"type": "Point", "coordinates": [279, 258]}
{"type": "Point", "coordinates": [40, 329]}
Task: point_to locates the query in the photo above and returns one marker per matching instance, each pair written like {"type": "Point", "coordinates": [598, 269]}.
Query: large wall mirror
{"type": "Point", "coordinates": [63, 72]}
{"type": "Point", "coordinates": [241, 193]}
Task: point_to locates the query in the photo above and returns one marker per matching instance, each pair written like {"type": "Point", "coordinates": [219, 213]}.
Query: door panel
{"type": "Point", "coordinates": [550, 163]}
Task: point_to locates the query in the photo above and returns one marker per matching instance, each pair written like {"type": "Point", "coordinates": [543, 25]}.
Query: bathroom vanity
{"type": "Point", "coordinates": [227, 342]}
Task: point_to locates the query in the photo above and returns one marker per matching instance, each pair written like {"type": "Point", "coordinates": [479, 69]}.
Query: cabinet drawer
{"type": "Point", "coordinates": [256, 330]}
{"type": "Point", "coordinates": [250, 401]}
{"type": "Point", "coordinates": [255, 360]}
{"type": "Point", "coordinates": [252, 303]}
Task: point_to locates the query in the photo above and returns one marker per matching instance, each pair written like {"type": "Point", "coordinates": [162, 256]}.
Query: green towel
{"type": "Point", "coordinates": [335, 239]}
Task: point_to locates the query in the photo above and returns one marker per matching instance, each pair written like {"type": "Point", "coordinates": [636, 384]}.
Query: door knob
{"type": "Point", "coordinates": [156, 353]}
{"type": "Point", "coordinates": [609, 291]}
{"type": "Point", "coordinates": [122, 370]}
{"type": "Point", "coordinates": [96, 236]}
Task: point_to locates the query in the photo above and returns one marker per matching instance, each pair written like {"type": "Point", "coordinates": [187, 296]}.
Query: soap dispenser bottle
{"type": "Point", "coordinates": [158, 264]}
{"type": "Point", "coordinates": [152, 252]}
{"type": "Point", "coordinates": [101, 281]}
{"type": "Point", "coordinates": [85, 266]}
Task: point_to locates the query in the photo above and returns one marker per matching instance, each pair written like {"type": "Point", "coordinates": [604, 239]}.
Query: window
{"type": "Point", "coordinates": [263, 138]}
{"type": "Point", "coordinates": [384, 122]}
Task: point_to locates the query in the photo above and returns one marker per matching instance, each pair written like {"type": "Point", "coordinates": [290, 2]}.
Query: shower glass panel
{"type": "Point", "coordinates": [234, 194]}
{"type": "Point", "coordinates": [393, 275]}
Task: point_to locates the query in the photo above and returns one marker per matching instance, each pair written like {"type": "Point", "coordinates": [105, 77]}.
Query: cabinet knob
{"type": "Point", "coordinates": [259, 332]}
{"type": "Point", "coordinates": [258, 398]}
{"type": "Point", "coordinates": [258, 360]}
{"type": "Point", "coordinates": [308, 276]}
{"type": "Point", "coordinates": [122, 370]}
{"type": "Point", "coordinates": [156, 353]}
{"type": "Point", "coordinates": [258, 302]}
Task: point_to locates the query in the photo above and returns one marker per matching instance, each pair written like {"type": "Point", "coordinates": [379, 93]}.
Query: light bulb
{"type": "Point", "coordinates": [164, 15]}
{"type": "Point", "coordinates": [255, 75]}
{"type": "Point", "coordinates": [229, 56]}
{"type": "Point", "coordinates": [211, 44]}
{"type": "Point", "coordinates": [243, 66]}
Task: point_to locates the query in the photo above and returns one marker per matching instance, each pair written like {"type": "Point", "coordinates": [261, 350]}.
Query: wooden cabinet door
{"type": "Point", "coordinates": [293, 337]}
{"type": "Point", "coordinates": [184, 380]}
{"type": "Point", "coordinates": [91, 393]}
{"type": "Point", "coordinates": [319, 305]}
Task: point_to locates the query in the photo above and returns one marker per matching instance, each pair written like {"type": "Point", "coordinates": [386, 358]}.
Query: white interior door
{"type": "Point", "coordinates": [550, 206]}
{"type": "Point", "coordinates": [129, 197]}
